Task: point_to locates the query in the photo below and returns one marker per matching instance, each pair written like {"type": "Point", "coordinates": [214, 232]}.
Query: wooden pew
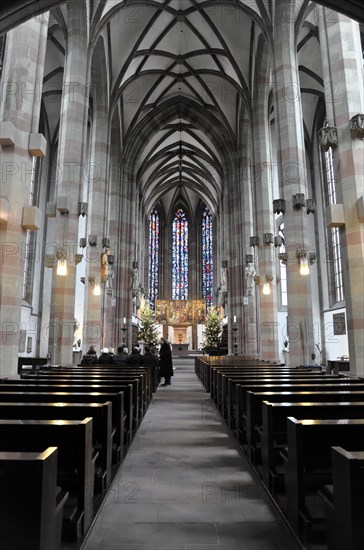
{"type": "Point", "coordinates": [75, 462]}
{"type": "Point", "coordinates": [274, 428]}
{"type": "Point", "coordinates": [344, 500]}
{"type": "Point", "coordinates": [222, 389]}
{"type": "Point", "coordinates": [308, 463]}
{"type": "Point", "coordinates": [228, 396]}
{"type": "Point", "coordinates": [254, 417]}
{"type": "Point", "coordinates": [101, 426]}
{"type": "Point", "coordinates": [31, 504]}
{"type": "Point", "coordinates": [257, 386]}
{"type": "Point", "coordinates": [117, 400]}
{"type": "Point", "coordinates": [143, 373]}
{"type": "Point", "coordinates": [70, 380]}
{"type": "Point", "coordinates": [42, 386]}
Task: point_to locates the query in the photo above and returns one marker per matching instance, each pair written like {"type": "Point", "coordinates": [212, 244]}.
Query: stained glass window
{"type": "Point", "coordinates": [180, 256]}
{"type": "Point", "coordinates": [153, 257]}
{"type": "Point", "coordinates": [207, 261]}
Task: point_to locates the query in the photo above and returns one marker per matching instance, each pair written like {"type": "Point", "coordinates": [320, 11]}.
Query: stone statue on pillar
{"type": "Point", "coordinates": [249, 278]}
{"type": "Point", "coordinates": [222, 291]}
{"type": "Point", "coordinates": [135, 290]}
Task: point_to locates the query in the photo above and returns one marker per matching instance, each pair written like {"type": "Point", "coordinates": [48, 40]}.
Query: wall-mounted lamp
{"type": "Point", "coordinates": [304, 265]}
{"type": "Point", "coordinates": [95, 285]}
{"type": "Point", "coordinates": [61, 264]}
{"type": "Point", "coordinates": [267, 285]}
{"type": "Point", "coordinates": [4, 210]}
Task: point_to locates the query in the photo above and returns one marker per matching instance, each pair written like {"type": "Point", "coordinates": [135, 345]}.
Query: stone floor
{"type": "Point", "coordinates": [184, 485]}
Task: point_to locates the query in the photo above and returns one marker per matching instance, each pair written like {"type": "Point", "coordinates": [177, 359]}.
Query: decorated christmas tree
{"type": "Point", "coordinates": [147, 329]}
{"type": "Point", "coordinates": [213, 330]}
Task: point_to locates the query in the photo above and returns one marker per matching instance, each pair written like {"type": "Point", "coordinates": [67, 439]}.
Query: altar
{"type": "Point", "coordinates": [179, 349]}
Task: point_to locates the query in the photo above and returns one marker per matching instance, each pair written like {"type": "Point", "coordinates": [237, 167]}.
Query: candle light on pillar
{"type": "Point", "coordinates": [124, 321]}
{"type": "Point", "coordinates": [234, 318]}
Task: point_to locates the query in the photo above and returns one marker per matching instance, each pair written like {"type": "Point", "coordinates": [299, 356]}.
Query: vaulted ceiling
{"type": "Point", "coordinates": [180, 73]}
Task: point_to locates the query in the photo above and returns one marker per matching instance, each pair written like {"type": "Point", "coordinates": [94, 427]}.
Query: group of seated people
{"type": "Point", "coordinates": [108, 356]}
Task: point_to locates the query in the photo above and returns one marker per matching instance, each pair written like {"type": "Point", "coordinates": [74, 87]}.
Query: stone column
{"type": "Point", "coordinates": [250, 322]}
{"type": "Point", "coordinates": [70, 175]}
{"type": "Point", "coordinates": [293, 178]}
{"type": "Point", "coordinates": [268, 329]}
{"type": "Point", "coordinates": [96, 227]}
{"type": "Point", "coordinates": [343, 71]}
{"type": "Point", "coordinates": [19, 120]}
{"type": "Point", "coordinates": [112, 324]}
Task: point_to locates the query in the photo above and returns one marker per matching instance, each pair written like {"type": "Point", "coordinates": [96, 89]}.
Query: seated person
{"type": "Point", "coordinates": [90, 358]}
{"type": "Point", "coordinates": [122, 355]}
{"type": "Point", "coordinates": [135, 358]}
{"type": "Point", "coordinates": [105, 357]}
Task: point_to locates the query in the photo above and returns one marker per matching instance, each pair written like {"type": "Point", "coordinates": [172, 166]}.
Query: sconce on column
{"type": "Point", "coordinates": [95, 285]}
{"type": "Point", "coordinates": [61, 263]}
{"type": "Point", "coordinates": [267, 285]}
{"type": "Point", "coordinates": [303, 261]}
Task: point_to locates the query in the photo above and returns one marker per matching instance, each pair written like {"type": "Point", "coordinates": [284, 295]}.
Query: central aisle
{"type": "Point", "coordinates": [184, 485]}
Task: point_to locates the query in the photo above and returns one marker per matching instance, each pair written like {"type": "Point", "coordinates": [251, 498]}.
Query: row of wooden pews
{"type": "Point", "coordinates": [302, 430]}
{"type": "Point", "coordinates": [64, 433]}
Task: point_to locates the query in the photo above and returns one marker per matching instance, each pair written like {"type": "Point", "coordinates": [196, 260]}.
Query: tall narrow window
{"type": "Point", "coordinates": [207, 259]}
{"type": "Point", "coordinates": [30, 244]}
{"type": "Point", "coordinates": [283, 267]}
{"type": "Point", "coordinates": [334, 235]}
{"type": "Point", "coordinates": [153, 257]}
{"type": "Point", "coordinates": [180, 256]}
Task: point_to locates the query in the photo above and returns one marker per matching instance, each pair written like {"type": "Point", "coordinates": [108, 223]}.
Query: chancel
{"type": "Point", "coordinates": [190, 172]}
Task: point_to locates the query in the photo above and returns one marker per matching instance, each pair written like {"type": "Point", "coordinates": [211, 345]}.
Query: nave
{"type": "Point", "coordinates": [184, 485]}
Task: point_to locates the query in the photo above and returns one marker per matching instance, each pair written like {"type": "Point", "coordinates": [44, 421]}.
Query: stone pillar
{"type": "Point", "coordinates": [19, 119]}
{"type": "Point", "coordinates": [70, 176]}
{"type": "Point", "coordinates": [293, 178]}
{"type": "Point", "coordinates": [343, 71]}
{"type": "Point", "coordinates": [96, 227]}
{"type": "Point", "coordinates": [268, 329]}
{"type": "Point", "coordinates": [112, 324]}
{"type": "Point", "coordinates": [247, 183]}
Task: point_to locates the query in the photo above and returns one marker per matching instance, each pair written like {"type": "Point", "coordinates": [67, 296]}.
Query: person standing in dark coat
{"type": "Point", "coordinates": [165, 362]}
